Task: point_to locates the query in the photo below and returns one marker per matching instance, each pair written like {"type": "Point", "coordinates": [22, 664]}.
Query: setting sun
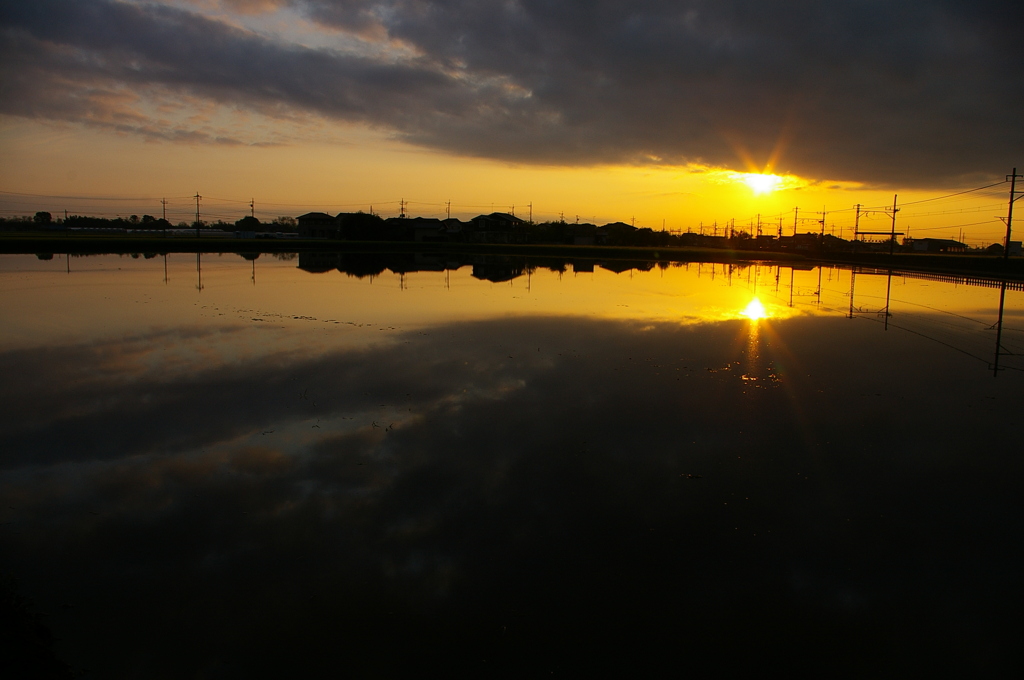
{"type": "Point", "coordinates": [761, 183]}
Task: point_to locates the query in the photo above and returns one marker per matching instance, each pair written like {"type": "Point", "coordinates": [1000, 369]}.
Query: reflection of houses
{"type": "Point", "coordinates": [317, 262]}
{"type": "Point", "coordinates": [498, 270]}
{"type": "Point", "coordinates": [620, 266]}
{"type": "Point", "coordinates": [352, 264]}
{"type": "Point", "coordinates": [360, 265]}
{"type": "Point", "coordinates": [935, 245]}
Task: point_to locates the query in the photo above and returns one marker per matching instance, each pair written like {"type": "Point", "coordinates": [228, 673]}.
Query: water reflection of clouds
{"type": "Point", "coordinates": [533, 488]}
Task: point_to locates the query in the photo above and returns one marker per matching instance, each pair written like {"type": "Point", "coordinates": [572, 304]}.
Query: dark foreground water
{"type": "Point", "coordinates": [272, 472]}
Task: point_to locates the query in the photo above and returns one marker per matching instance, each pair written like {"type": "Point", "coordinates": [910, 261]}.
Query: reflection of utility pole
{"type": "Point", "coordinates": [888, 290]}
{"type": "Point", "coordinates": [999, 324]}
{"type": "Point", "coordinates": [853, 281]}
{"type": "Point", "coordinates": [1009, 210]}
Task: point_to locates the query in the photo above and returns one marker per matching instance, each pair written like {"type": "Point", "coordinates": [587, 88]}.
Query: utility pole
{"type": "Point", "coordinates": [1009, 210]}
{"type": "Point", "coordinates": [197, 213]}
{"type": "Point", "coordinates": [892, 238]}
{"type": "Point", "coordinates": [252, 209]}
{"type": "Point", "coordinates": [796, 217]}
{"type": "Point", "coordinates": [531, 212]}
{"type": "Point", "coordinates": [401, 208]}
{"type": "Point", "coordinates": [163, 201]}
{"type": "Point", "coordinates": [856, 223]}
{"type": "Point", "coordinates": [448, 209]}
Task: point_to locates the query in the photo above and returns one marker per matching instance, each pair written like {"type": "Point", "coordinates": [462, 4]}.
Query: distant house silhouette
{"type": "Point", "coordinates": [936, 245]}
{"type": "Point", "coordinates": [318, 225]}
{"type": "Point", "coordinates": [425, 229]}
{"type": "Point", "coordinates": [498, 228]}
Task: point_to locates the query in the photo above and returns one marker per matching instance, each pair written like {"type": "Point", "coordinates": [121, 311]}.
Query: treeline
{"type": "Point", "coordinates": [45, 220]}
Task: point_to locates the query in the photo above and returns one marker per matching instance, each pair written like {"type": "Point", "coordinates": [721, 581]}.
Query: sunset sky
{"type": "Point", "coordinates": [606, 110]}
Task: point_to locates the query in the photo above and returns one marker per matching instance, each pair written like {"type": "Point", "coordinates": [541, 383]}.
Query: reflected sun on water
{"type": "Point", "coordinates": [755, 310]}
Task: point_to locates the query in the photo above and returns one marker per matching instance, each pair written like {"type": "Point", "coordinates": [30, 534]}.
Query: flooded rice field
{"type": "Point", "coordinates": [323, 465]}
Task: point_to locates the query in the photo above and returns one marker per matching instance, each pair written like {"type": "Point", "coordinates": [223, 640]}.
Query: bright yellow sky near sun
{"type": "Point", "coordinates": [359, 168]}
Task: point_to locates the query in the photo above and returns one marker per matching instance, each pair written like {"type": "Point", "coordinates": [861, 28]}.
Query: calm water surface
{"type": "Point", "coordinates": [272, 467]}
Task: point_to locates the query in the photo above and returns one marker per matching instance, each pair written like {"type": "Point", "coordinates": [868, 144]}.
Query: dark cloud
{"type": "Point", "coordinates": [911, 93]}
